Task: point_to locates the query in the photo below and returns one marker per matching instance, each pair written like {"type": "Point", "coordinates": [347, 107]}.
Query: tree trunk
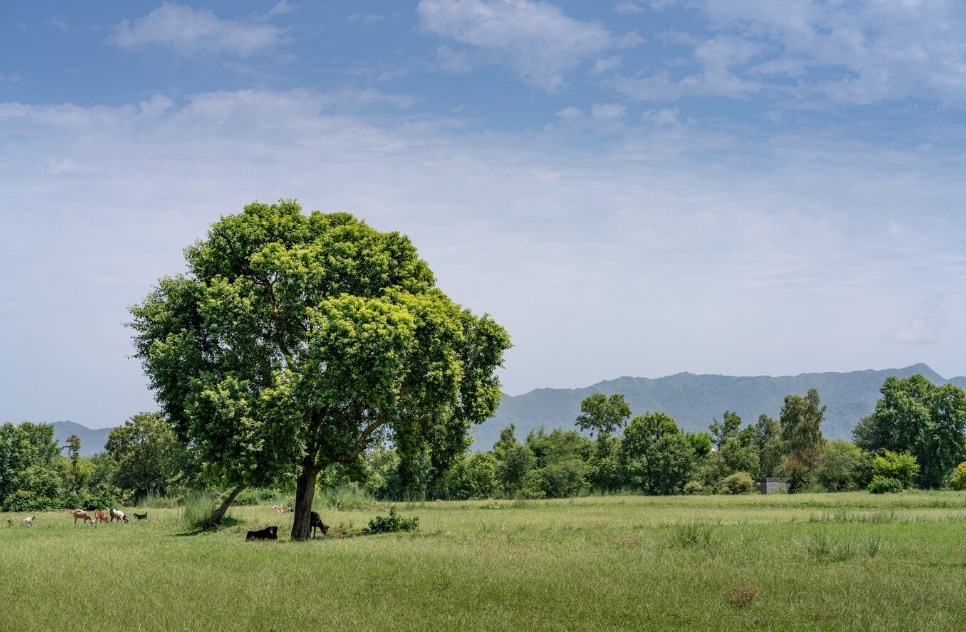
{"type": "Point", "coordinates": [304, 495]}
{"type": "Point", "coordinates": [216, 517]}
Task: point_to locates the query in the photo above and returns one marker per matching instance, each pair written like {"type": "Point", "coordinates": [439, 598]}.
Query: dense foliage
{"type": "Point", "coordinates": [295, 342]}
{"type": "Point", "coordinates": [652, 455]}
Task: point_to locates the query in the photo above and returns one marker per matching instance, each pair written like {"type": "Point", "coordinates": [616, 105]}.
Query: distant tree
{"type": "Point", "coordinates": [800, 421]}
{"type": "Point", "coordinates": [768, 442]}
{"type": "Point", "coordinates": [605, 464]}
{"type": "Point", "coordinates": [841, 466]}
{"type": "Point", "coordinates": [147, 455]}
{"type": "Point", "coordinates": [916, 416]}
{"type": "Point", "coordinates": [28, 461]}
{"type": "Point", "coordinates": [722, 431]}
{"type": "Point", "coordinates": [472, 475]}
{"type": "Point", "coordinates": [513, 465]}
{"type": "Point", "coordinates": [562, 463]}
{"type": "Point", "coordinates": [296, 341]}
{"type": "Point", "coordinates": [658, 456]}
{"type": "Point", "coordinates": [602, 414]}
{"type": "Point", "coordinates": [701, 442]}
{"type": "Point", "coordinates": [73, 446]}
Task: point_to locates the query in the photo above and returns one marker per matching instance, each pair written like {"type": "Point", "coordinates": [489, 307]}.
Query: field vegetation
{"type": "Point", "coordinates": [782, 562]}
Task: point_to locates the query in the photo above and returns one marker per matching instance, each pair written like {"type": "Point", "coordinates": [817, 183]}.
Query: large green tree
{"type": "Point", "coordinates": [916, 416]}
{"type": "Point", "coordinates": [296, 341]}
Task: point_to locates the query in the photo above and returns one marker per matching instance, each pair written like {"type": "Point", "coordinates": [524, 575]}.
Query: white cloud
{"type": "Point", "coordinates": [606, 64]}
{"type": "Point", "coordinates": [607, 111]}
{"type": "Point", "coordinates": [11, 78]}
{"type": "Point", "coordinates": [666, 117]}
{"type": "Point", "coordinates": [812, 53]}
{"type": "Point", "coordinates": [570, 113]}
{"type": "Point", "coordinates": [662, 232]}
{"type": "Point", "coordinates": [536, 39]}
{"type": "Point", "coordinates": [188, 31]}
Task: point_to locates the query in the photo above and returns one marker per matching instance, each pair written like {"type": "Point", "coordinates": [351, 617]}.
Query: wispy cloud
{"type": "Point", "coordinates": [189, 31]}
{"type": "Point", "coordinates": [816, 54]}
{"type": "Point", "coordinates": [534, 38]}
{"type": "Point", "coordinates": [664, 225]}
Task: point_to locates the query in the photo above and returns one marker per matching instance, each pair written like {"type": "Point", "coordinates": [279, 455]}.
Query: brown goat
{"type": "Point", "coordinates": [80, 514]}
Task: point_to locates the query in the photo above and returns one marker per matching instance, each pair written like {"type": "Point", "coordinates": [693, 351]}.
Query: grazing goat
{"type": "Point", "coordinates": [80, 514]}
{"type": "Point", "coordinates": [141, 516]}
{"type": "Point", "coordinates": [29, 521]}
{"type": "Point", "coordinates": [268, 533]}
{"type": "Point", "coordinates": [318, 524]}
{"type": "Point", "coordinates": [100, 516]}
{"type": "Point", "coordinates": [281, 509]}
{"type": "Point", "coordinates": [118, 514]}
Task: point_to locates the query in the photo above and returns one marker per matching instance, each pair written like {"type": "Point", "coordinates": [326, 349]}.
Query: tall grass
{"type": "Point", "coordinates": [197, 509]}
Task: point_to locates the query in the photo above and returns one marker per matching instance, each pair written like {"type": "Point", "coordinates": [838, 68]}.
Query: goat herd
{"type": "Point", "coordinates": [112, 514]}
{"type": "Point", "coordinates": [271, 533]}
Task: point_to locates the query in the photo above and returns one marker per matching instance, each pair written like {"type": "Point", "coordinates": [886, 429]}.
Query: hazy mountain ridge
{"type": "Point", "coordinates": [695, 400]}
{"type": "Point", "coordinates": [92, 439]}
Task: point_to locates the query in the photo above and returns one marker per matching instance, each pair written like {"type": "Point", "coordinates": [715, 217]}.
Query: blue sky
{"type": "Point", "coordinates": [631, 187]}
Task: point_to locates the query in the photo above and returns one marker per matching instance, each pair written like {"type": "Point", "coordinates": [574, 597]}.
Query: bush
{"type": "Point", "coordinates": [882, 485]}
{"type": "Point", "coordinates": [89, 502]}
{"type": "Point", "coordinates": [26, 500]}
{"type": "Point", "coordinates": [388, 524]}
{"type": "Point", "coordinates": [694, 487]}
{"type": "Point", "coordinates": [738, 483]}
{"type": "Point", "coordinates": [902, 467]}
{"type": "Point", "coordinates": [958, 478]}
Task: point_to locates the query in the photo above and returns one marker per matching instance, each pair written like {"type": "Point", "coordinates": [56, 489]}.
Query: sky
{"type": "Point", "coordinates": [630, 187]}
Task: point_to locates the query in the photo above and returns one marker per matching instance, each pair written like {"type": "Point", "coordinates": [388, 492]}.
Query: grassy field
{"type": "Point", "coordinates": [807, 562]}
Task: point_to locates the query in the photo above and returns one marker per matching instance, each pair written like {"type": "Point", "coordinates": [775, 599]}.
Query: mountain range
{"type": "Point", "coordinates": [692, 400]}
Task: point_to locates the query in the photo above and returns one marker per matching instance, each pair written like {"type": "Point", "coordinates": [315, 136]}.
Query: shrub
{"type": "Point", "coordinates": [26, 500]}
{"type": "Point", "coordinates": [958, 479]}
{"type": "Point", "coordinates": [902, 467]}
{"type": "Point", "coordinates": [882, 485]}
{"type": "Point", "coordinates": [694, 487]}
{"type": "Point", "coordinates": [392, 522]}
{"type": "Point", "coordinates": [737, 483]}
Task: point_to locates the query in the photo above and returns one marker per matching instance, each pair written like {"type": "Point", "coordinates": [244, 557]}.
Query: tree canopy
{"type": "Point", "coordinates": [602, 414]}
{"type": "Point", "coordinates": [916, 416]}
{"type": "Point", "coordinates": [296, 341]}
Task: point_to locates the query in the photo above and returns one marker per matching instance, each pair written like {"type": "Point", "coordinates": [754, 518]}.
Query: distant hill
{"type": "Point", "coordinates": [92, 439]}
{"type": "Point", "coordinates": [695, 400]}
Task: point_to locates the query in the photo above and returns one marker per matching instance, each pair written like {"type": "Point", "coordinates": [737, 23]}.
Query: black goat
{"type": "Point", "coordinates": [268, 533]}
{"type": "Point", "coordinates": [318, 524]}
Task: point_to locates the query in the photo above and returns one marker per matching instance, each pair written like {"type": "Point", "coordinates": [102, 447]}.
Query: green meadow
{"type": "Point", "coordinates": [850, 561]}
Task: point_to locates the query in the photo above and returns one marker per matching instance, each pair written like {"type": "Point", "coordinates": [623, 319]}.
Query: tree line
{"type": "Point", "coordinates": [913, 438]}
